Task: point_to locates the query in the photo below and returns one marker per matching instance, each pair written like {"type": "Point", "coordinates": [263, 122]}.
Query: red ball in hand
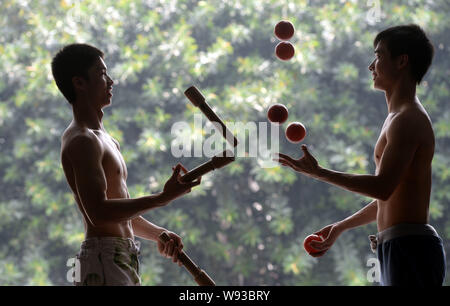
{"type": "Point", "coordinates": [284, 51]}
{"type": "Point", "coordinates": [277, 113]}
{"type": "Point", "coordinates": [307, 241]}
{"type": "Point", "coordinates": [295, 132]}
{"type": "Point", "coordinates": [284, 30]}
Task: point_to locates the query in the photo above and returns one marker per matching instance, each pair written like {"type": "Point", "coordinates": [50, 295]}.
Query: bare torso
{"type": "Point", "coordinates": [410, 201]}
{"type": "Point", "coordinates": [115, 172]}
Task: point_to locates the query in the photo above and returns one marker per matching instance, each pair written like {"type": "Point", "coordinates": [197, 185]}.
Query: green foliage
{"type": "Point", "coordinates": [245, 224]}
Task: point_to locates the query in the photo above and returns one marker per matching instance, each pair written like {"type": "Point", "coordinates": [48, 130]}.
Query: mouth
{"type": "Point", "coordinates": [110, 92]}
{"type": "Point", "coordinates": [374, 76]}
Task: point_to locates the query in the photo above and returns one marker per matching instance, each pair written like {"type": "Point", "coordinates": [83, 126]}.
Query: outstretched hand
{"type": "Point", "coordinates": [174, 187]}
{"type": "Point", "coordinates": [307, 164]}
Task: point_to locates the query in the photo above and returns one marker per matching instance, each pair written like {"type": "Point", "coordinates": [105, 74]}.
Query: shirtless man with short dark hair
{"type": "Point", "coordinates": [96, 173]}
{"type": "Point", "coordinates": [409, 249]}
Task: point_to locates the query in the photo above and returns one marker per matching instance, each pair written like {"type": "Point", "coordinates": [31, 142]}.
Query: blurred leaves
{"type": "Point", "coordinates": [244, 222]}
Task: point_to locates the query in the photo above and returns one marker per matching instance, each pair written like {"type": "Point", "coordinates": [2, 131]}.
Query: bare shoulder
{"type": "Point", "coordinates": [79, 141]}
{"type": "Point", "coordinates": [115, 142]}
{"type": "Point", "coordinates": [411, 123]}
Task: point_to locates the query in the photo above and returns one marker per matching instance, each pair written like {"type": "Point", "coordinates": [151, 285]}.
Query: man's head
{"type": "Point", "coordinates": [401, 50]}
{"type": "Point", "coordinates": [79, 70]}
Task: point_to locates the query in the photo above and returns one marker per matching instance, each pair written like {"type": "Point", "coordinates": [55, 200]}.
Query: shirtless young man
{"type": "Point", "coordinates": [96, 173]}
{"type": "Point", "coordinates": [408, 248]}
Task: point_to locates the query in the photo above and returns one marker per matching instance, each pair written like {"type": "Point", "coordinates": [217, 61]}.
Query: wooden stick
{"type": "Point", "coordinates": [196, 97]}
{"type": "Point", "coordinates": [218, 161]}
{"type": "Point", "coordinates": [200, 276]}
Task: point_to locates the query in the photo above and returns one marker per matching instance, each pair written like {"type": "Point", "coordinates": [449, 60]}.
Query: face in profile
{"type": "Point", "coordinates": [383, 68]}
{"type": "Point", "coordinates": [98, 88]}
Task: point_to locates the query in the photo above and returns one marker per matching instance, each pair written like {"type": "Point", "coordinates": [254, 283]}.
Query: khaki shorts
{"type": "Point", "coordinates": [108, 261]}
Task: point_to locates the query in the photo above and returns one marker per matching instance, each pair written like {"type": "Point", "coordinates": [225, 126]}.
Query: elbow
{"type": "Point", "coordinates": [384, 189]}
{"type": "Point", "coordinates": [384, 196]}
{"type": "Point", "coordinates": [93, 223]}
{"type": "Point", "coordinates": [96, 216]}
{"type": "Point", "coordinates": [98, 220]}
{"type": "Point", "coordinates": [386, 192]}
{"type": "Point", "coordinates": [94, 219]}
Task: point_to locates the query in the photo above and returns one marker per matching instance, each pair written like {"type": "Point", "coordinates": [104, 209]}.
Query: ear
{"type": "Point", "coordinates": [403, 61]}
{"type": "Point", "coordinates": [78, 83]}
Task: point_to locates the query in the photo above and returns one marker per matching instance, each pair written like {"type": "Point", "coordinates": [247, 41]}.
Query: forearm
{"type": "Point", "coordinates": [364, 184]}
{"type": "Point", "coordinates": [125, 209]}
{"type": "Point", "coordinates": [142, 228]}
{"type": "Point", "coordinates": [364, 216]}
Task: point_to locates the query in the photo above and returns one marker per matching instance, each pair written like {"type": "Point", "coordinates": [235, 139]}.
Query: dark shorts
{"type": "Point", "coordinates": [414, 259]}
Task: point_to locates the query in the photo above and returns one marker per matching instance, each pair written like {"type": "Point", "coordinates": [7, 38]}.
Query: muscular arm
{"type": "Point", "coordinates": [402, 142]}
{"type": "Point", "coordinates": [143, 228]}
{"type": "Point", "coordinates": [85, 155]}
{"type": "Point", "coordinates": [364, 216]}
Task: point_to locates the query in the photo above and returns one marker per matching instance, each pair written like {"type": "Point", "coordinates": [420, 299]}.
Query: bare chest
{"type": "Point", "coordinates": [379, 149]}
{"type": "Point", "coordinates": [381, 142]}
{"type": "Point", "coordinates": [113, 163]}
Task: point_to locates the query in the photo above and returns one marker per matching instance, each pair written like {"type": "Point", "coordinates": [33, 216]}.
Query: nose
{"type": "Point", "coordinates": [110, 81]}
{"type": "Point", "coordinates": [371, 66]}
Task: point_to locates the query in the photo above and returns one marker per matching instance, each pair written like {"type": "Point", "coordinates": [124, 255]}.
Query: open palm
{"type": "Point", "coordinates": [307, 164]}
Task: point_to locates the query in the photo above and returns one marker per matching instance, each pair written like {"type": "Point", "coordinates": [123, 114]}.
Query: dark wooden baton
{"type": "Point", "coordinates": [196, 97]}
{"type": "Point", "coordinates": [218, 161]}
{"type": "Point", "coordinates": [200, 276]}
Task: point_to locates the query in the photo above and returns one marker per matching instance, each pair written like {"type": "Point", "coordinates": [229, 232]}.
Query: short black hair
{"type": "Point", "coordinates": [411, 40]}
{"type": "Point", "coordinates": [73, 60]}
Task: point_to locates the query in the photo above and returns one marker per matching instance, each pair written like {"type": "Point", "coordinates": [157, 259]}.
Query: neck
{"type": "Point", "coordinates": [87, 116]}
{"type": "Point", "coordinates": [402, 93]}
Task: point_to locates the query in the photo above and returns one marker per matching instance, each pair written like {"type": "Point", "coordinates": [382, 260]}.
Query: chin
{"type": "Point", "coordinates": [106, 104]}
{"type": "Point", "coordinates": [378, 86]}
{"type": "Point", "coordinates": [379, 89]}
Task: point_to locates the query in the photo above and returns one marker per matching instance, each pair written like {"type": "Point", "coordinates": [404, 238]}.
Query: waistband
{"type": "Point", "coordinates": [128, 243]}
{"type": "Point", "coordinates": [405, 229]}
{"type": "Point", "coordinates": [400, 230]}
